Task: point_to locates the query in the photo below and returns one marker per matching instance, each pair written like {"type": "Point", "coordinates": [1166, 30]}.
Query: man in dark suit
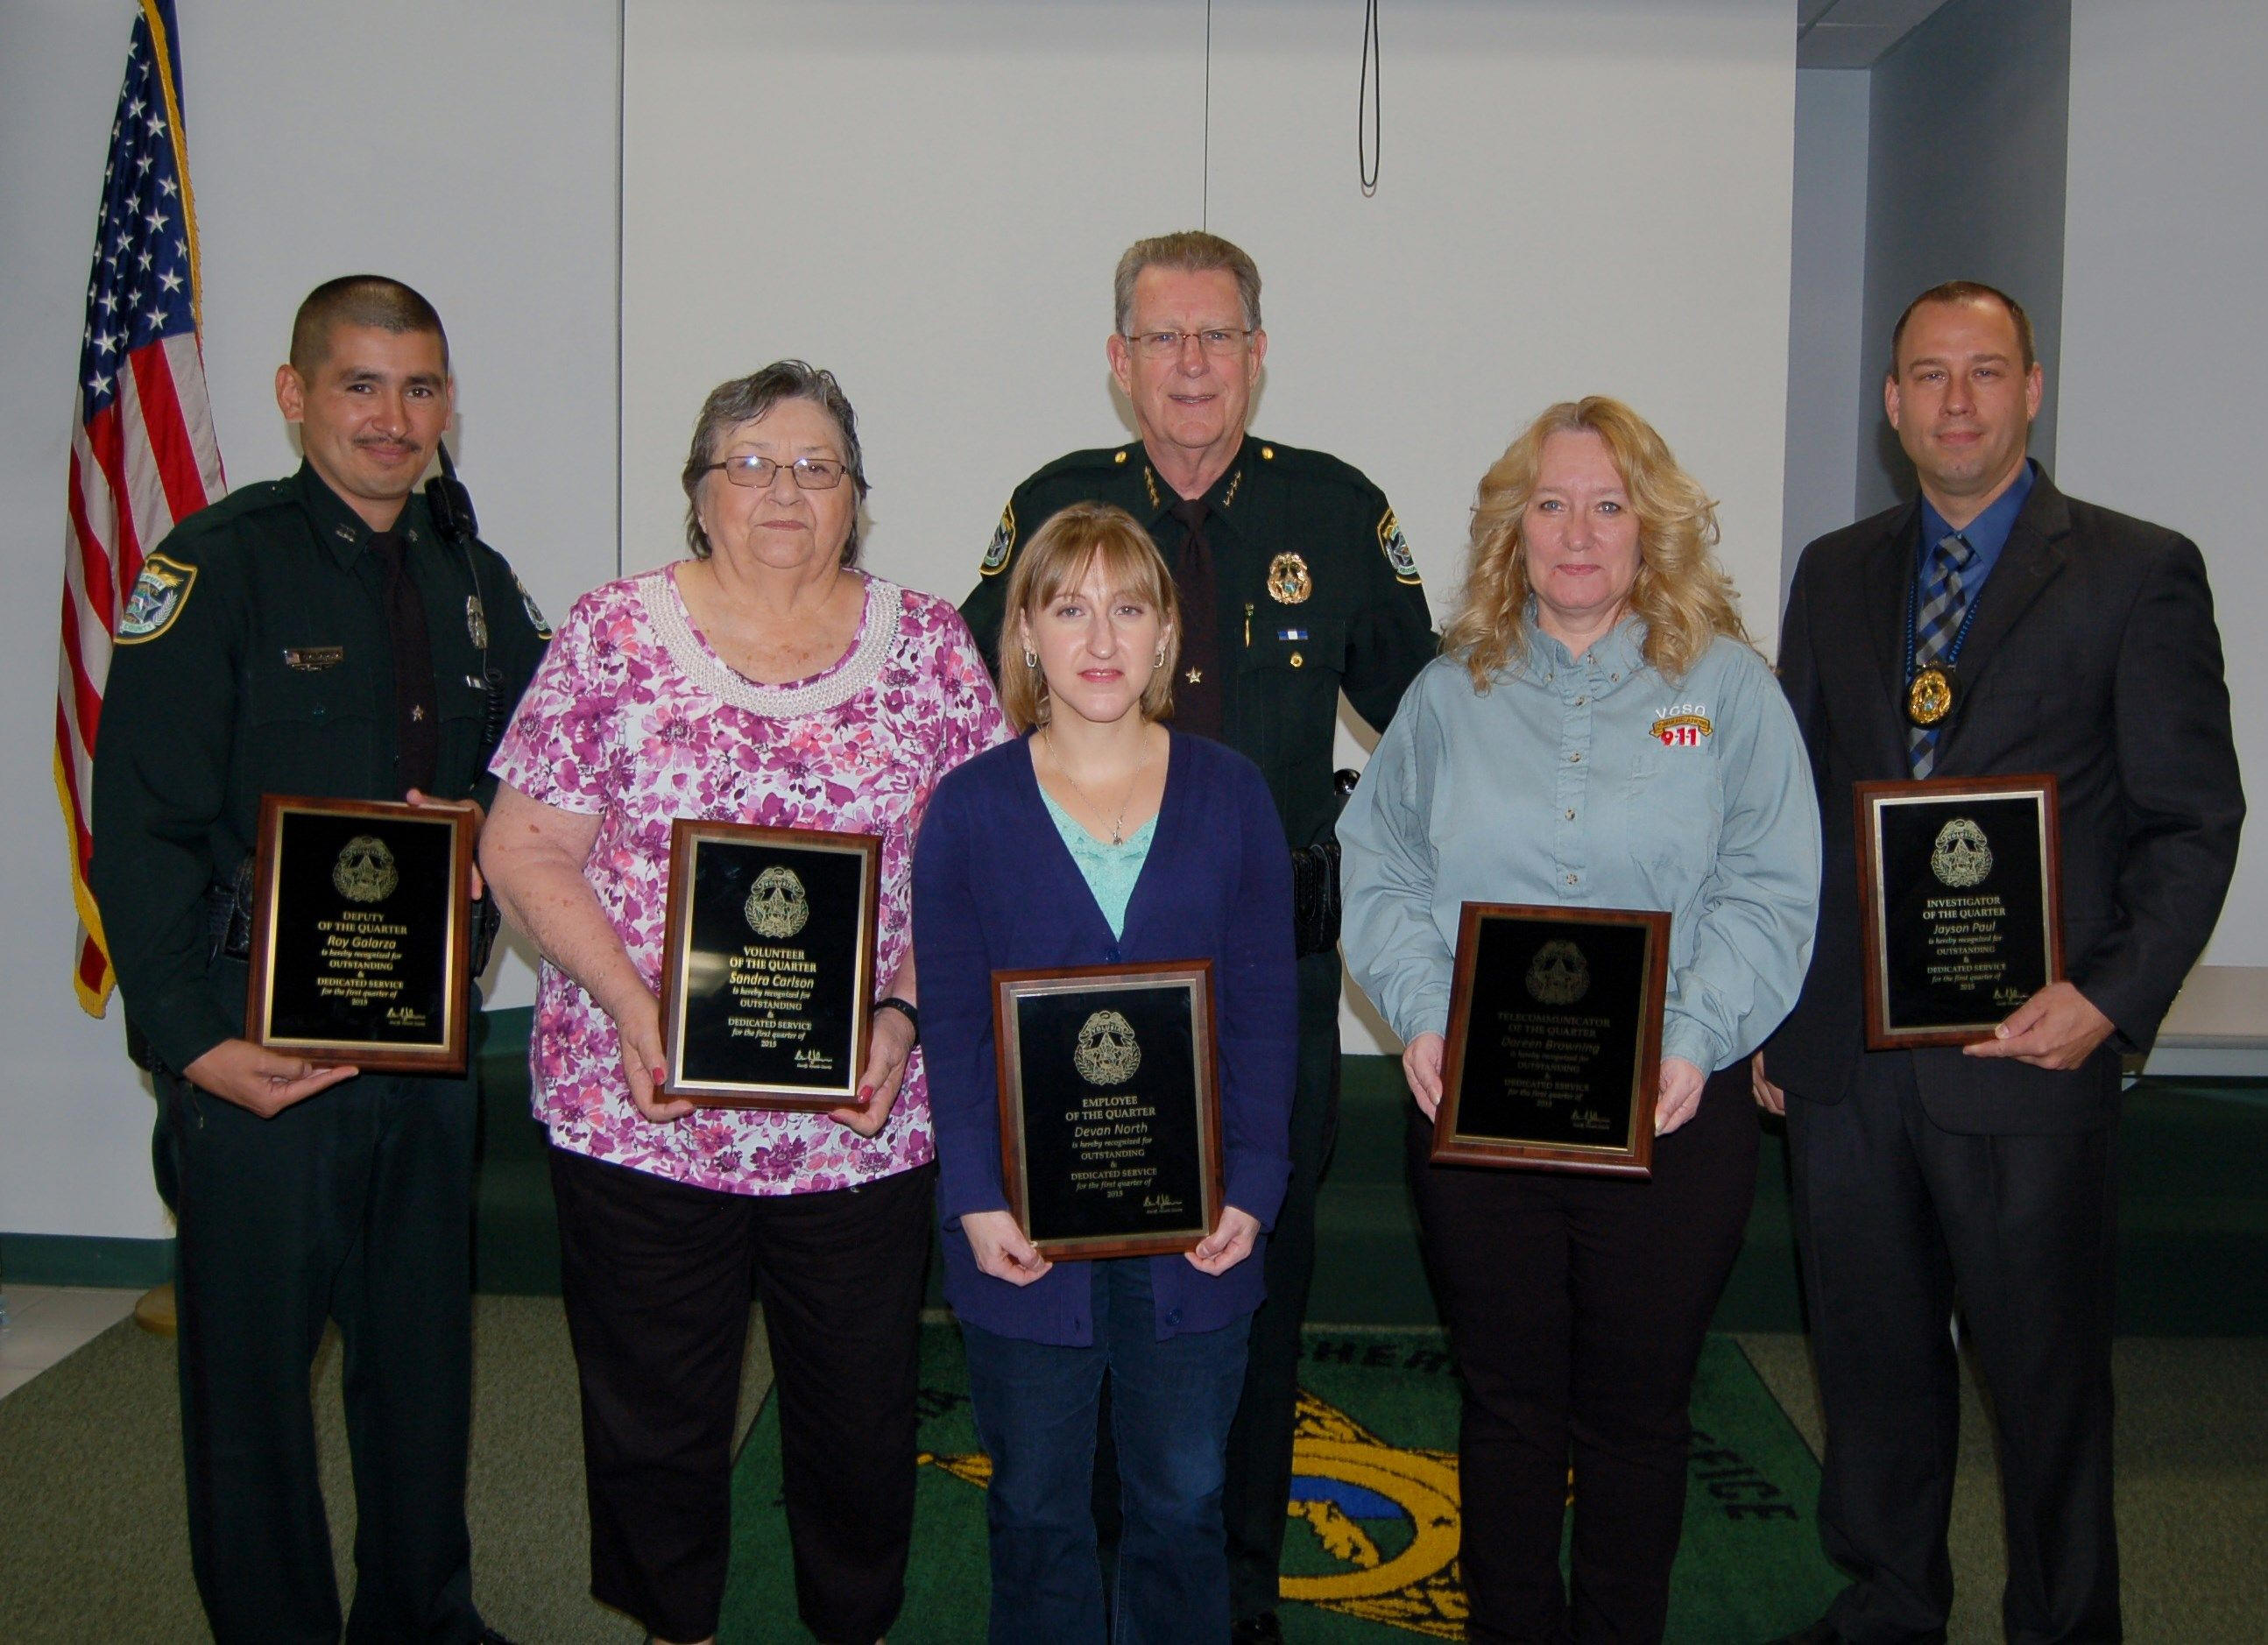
{"type": "Point", "coordinates": [2077, 642]}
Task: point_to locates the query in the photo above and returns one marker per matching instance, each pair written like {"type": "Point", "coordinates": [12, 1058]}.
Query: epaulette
{"type": "Point", "coordinates": [1101, 459]}
{"type": "Point", "coordinates": [1314, 466]}
{"type": "Point", "coordinates": [245, 501]}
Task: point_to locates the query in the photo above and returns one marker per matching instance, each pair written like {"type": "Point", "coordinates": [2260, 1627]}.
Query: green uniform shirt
{"type": "Point", "coordinates": [1317, 594]}
{"type": "Point", "coordinates": [253, 658]}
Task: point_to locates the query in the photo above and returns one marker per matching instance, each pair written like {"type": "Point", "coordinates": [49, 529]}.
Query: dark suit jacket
{"type": "Point", "coordinates": [2093, 657]}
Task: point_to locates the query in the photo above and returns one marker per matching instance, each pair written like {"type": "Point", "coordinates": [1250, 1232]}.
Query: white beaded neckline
{"type": "Point", "coordinates": [853, 674]}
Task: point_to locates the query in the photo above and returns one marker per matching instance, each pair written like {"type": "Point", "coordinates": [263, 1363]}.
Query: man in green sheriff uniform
{"type": "Point", "coordinates": [315, 635]}
{"type": "Point", "coordinates": [1296, 584]}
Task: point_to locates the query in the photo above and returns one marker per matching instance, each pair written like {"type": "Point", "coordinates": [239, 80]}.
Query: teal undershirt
{"type": "Point", "coordinates": [1110, 870]}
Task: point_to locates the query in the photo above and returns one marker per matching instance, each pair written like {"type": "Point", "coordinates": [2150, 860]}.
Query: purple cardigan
{"type": "Point", "coordinates": [995, 889]}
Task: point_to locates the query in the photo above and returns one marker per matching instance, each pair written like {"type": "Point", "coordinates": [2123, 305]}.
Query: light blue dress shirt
{"type": "Point", "coordinates": [1592, 783]}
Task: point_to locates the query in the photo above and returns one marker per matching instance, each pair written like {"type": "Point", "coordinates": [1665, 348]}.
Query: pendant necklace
{"type": "Point", "coordinates": [1118, 823]}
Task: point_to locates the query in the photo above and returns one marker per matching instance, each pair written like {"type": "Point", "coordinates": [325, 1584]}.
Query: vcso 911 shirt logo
{"type": "Point", "coordinates": [1683, 725]}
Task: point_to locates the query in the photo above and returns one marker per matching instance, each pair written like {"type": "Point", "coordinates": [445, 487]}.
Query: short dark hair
{"type": "Point", "coordinates": [744, 399]}
{"type": "Point", "coordinates": [1968, 292]}
{"type": "Point", "coordinates": [364, 300]}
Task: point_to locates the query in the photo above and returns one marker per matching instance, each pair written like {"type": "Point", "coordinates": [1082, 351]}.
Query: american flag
{"type": "Point", "coordinates": [142, 450]}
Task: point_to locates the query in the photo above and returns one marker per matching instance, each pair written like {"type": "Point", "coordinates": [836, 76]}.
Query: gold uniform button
{"type": "Point", "coordinates": [1298, 661]}
{"type": "Point", "coordinates": [1268, 453]}
{"type": "Point", "coordinates": [1120, 458]}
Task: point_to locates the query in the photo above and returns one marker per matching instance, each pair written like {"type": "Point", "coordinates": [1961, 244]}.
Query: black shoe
{"type": "Point", "coordinates": [1260, 1630]}
{"type": "Point", "coordinates": [1820, 1632]}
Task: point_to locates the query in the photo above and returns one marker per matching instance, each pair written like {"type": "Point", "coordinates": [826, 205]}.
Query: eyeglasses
{"type": "Point", "coordinates": [812, 474]}
{"type": "Point", "coordinates": [1162, 345]}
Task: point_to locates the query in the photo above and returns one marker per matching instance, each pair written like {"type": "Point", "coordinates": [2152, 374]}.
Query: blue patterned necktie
{"type": "Point", "coordinates": [1944, 603]}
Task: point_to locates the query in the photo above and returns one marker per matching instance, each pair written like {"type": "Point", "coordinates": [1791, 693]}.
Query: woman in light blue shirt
{"type": "Point", "coordinates": [1597, 733]}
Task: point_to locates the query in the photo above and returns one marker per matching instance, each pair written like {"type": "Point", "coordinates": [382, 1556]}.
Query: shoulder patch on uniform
{"type": "Point", "coordinates": [1397, 548]}
{"type": "Point", "coordinates": [535, 618]}
{"type": "Point", "coordinates": [1003, 543]}
{"type": "Point", "coordinates": [156, 599]}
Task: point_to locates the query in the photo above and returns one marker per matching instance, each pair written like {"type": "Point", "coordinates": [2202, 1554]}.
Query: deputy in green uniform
{"type": "Point", "coordinates": [315, 635]}
{"type": "Point", "coordinates": [1296, 584]}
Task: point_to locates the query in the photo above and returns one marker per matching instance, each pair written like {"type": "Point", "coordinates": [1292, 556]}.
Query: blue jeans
{"type": "Point", "coordinates": [1171, 1403]}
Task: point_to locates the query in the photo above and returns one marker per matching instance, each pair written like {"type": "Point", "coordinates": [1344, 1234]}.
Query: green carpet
{"type": "Point", "coordinates": [1371, 1555]}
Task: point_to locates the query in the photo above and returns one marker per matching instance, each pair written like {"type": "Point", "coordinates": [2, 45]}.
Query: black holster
{"type": "Point", "coordinates": [1315, 883]}
{"type": "Point", "coordinates": [228, 914]}
{"type": "Point", "coordinates": [1315, 897]}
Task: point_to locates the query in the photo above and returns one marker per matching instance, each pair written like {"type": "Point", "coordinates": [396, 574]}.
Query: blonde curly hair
{"type": "Point", "coordinates": [1681, 591]}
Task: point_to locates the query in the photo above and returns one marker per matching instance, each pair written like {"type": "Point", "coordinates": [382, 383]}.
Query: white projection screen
{"type": "Point", "coordinates": [1574, 196]}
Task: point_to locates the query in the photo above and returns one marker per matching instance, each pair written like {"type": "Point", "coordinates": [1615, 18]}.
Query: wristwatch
{"type": "Point", "coordinates": [904, 1007]}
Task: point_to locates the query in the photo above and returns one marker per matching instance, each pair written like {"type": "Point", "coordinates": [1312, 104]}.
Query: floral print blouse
{"type": "Point", "coordinates": [634, 720]}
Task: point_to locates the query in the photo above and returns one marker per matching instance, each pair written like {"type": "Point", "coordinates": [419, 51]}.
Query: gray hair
{"type": "Point", "coordinates": [1192, 251]}
{"type": "Point", "coordinates": [744, 399]}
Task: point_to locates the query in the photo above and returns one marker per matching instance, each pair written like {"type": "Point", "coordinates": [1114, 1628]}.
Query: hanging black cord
{"type": "Point", "coordinates": [1368, 134]}
{"type": "Point", "coordinates": [1204, 186]}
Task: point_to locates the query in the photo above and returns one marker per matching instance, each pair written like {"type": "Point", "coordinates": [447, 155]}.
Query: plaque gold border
{"type": "Point", "coordinates": [1871, 799]}
{"type": "Point", "coordinates": [1633, 1157]}
{"type": "Point", "coordinates": [686, 836]}
{"type": "Point", "coordinates": [1009, 989]}
{"type": "Point", "coordinates": [444, 1052]}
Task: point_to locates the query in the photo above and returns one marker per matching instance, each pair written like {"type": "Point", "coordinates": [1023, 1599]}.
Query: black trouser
{"type": "Point", "coordinates": [355, 1206]}
{"type": "Point", "coordinates": [656, 1276]}
{"type": "Point", "coordinates": [1576, 1309]}
{"type": "Point", "coordinates": [1260, 1440]}
{"type": "Point", "coordinates": [1894, 1218]}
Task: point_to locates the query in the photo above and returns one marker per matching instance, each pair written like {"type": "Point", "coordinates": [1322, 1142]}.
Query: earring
{"type": "Point", "coordinates": [1031, 657]}
{"type": "Point", "coordinates": [1160, 663]}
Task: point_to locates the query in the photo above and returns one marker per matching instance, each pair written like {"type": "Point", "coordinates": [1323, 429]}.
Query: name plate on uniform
{"type": "Point", "coordinates": [768, 965]}
{"type": "Point", "coordinates": [1109, 1107]}
{"type": "Point", "coordinates": [362, 934]}
{"type": "Point", "coordinates": [1958, 880]}
{"type": "Point", "coordinates": [1554, 1039]}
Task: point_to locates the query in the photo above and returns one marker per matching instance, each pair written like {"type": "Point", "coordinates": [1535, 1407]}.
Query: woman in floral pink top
{"type": "Point", "coordinates": [656, 703]}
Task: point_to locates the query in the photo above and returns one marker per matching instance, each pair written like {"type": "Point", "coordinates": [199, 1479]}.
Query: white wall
{"type": "Point", "coordinates": [2164, 350]}
{"type": "Point", "coordinates": [1573, 198]}
{"type": "Point", "coordinates": [1827, 297]}
{"type": "Point", "coordinates": [467, 149]}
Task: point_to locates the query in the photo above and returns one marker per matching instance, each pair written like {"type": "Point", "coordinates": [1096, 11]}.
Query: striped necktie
{"type": "Point", "coordinates": [1944, 604]}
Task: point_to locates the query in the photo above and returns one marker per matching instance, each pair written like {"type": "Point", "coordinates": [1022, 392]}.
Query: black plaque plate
{"type": "Point", "coordinates": [1109, 1107]}
{"type": "Point", "coordinates": [361, 933]}
{"type": "Point", "coordinates": [1554, 1039]}
{"type": "Point", "coordinates": [1958, 880]}
{"type": "Point", "coordinates": [768, 965]}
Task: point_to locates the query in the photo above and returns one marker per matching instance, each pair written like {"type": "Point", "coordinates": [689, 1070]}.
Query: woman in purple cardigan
{"type": "Point", "coordinates": [1100, 838]}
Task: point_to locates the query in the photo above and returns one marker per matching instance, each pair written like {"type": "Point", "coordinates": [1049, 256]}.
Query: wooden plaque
{"type": "Point", "coordinates": [1960, 888]}
{"type": "Point", "coordinates": [1109, 1078]}
{"type": "Point", "coordinates": [1554, 1056]}
{"type": "Point", "coordinates": [362, 933]}
{"type": "Point", "coordinates": [768, 965]}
